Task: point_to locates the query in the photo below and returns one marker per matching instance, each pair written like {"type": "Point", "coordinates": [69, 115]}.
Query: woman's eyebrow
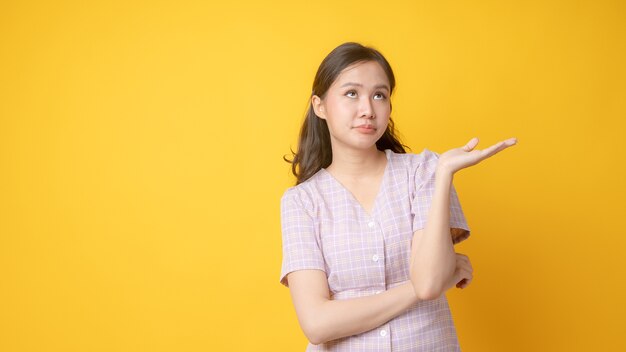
{"type": "Point", "coordinates": [360, 85]}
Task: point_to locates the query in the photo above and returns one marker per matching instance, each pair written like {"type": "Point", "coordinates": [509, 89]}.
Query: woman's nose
{"type": "Point", "coordinates": [367, 110]}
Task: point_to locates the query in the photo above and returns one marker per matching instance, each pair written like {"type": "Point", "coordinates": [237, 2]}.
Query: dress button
{"type": "Point", "coordinates": [375, 257]}
{"type": "Point", "coordinates": [371, 224]}
{"type": "Point", "coordinates": [383, 333]}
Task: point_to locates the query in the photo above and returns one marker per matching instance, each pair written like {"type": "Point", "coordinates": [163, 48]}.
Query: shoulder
{"type": "Point", "coordinates": [426, 159]}
{"type": "Point", "coordinates": [305, 193]}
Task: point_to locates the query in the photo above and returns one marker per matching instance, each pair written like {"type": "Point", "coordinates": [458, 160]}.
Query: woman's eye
{"type": "Point", "coordinates": [378, 96]}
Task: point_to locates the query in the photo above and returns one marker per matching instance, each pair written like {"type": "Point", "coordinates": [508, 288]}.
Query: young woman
{"type": "Point", "coordinates": [369, 230]}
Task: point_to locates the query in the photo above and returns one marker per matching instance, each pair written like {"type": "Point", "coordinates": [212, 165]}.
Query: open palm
{"type": "Point", "coordinates": [459, 158]}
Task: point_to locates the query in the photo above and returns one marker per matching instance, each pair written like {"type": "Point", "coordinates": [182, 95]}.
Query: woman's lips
{"type": "Point", "coordinates": [367, 129]}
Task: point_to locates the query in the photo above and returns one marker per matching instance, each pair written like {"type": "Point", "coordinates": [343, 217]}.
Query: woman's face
{"type": "Point", "coordinates": [356, 106]}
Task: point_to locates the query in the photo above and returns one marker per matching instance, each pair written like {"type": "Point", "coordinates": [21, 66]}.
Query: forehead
{"type": "Point", "coordinates": [368, 73]}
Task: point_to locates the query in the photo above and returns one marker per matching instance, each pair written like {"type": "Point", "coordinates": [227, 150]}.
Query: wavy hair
{"type": "Point", "coordinates": [314, 146]}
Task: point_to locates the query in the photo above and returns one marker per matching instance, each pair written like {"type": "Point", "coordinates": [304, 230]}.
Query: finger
{"type": "Point", "coordinates": [462, 257]}
{"type": "Point", "coordinates": [466, 265]}
{"type": "Point", "coordinates": [488, 152]}
{"type": "Point", "coordinates": [463, 274]}
{"type": "Point", "coordinates": [463, 261]}
{"type": "Point", "coordinates": [464, 282]}
{"type": "Point", "coordinates": [471, 144]}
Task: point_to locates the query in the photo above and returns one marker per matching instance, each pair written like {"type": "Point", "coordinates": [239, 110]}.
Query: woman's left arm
{"type": "Point", "coordinates": [433, 259]}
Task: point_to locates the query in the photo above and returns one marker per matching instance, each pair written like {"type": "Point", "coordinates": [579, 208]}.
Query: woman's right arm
{"type": "Point", "coordinates": [323, 319]}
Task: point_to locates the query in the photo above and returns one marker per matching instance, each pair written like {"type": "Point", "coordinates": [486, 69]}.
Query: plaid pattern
{"type": "Point", "coordinates": [324, 227]}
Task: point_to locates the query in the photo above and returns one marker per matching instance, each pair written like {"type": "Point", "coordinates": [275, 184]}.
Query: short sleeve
{"type": "Point", "coordinates": [301, 247]}
{"type": "Point", "coordinates": [424, 191]}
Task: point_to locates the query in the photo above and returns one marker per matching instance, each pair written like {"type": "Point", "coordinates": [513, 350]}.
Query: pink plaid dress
{"type": "Point", "coordinates": [324, 227]}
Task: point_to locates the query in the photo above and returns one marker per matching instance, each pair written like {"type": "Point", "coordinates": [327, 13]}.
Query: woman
{"type": "Point", "coordinates": [369, 230]}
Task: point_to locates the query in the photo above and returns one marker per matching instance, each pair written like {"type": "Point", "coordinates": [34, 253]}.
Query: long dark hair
{"type": "Point", "coordinates": [314, 147]}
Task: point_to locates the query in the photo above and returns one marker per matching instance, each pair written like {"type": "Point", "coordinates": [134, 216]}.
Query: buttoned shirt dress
{"type": "Point", "coordinates": [324, 227]}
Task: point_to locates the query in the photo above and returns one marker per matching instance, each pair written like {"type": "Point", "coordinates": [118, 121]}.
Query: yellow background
{"type": "Point", "coordinates": [141, 166]}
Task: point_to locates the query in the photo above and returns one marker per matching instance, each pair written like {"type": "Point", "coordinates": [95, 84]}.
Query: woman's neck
{"type": "Point", "coordinates": [354, 164]}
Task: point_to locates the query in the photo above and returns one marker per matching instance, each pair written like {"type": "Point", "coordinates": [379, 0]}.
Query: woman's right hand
{"type": "Point", "coordinates": [463, 273]}
{"type": "Point", "coordinates": [459, 158]}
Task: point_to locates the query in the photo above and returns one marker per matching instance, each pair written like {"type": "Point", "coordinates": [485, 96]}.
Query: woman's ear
{"type": "Point", "coordinates": [318, 107]}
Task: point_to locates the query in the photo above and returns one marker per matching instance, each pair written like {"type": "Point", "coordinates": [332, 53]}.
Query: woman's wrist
{"type": "Point", "coordinates": [443, 171]}
{"type": "Point", "coordinates": [443, 174]}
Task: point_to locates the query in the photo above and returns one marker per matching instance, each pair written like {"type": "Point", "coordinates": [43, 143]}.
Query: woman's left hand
{"type": "Point", "coordinates": [459, 158]}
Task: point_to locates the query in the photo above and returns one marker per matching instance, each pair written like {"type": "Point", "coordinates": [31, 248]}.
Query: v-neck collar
{"type": "Point", "coordinates": [381, 187]}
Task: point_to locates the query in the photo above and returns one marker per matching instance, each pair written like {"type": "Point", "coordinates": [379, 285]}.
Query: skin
{"type": "Point", "coordinates": [357, 163]}
{"type": "Point", "coordinates": [359, 166]}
